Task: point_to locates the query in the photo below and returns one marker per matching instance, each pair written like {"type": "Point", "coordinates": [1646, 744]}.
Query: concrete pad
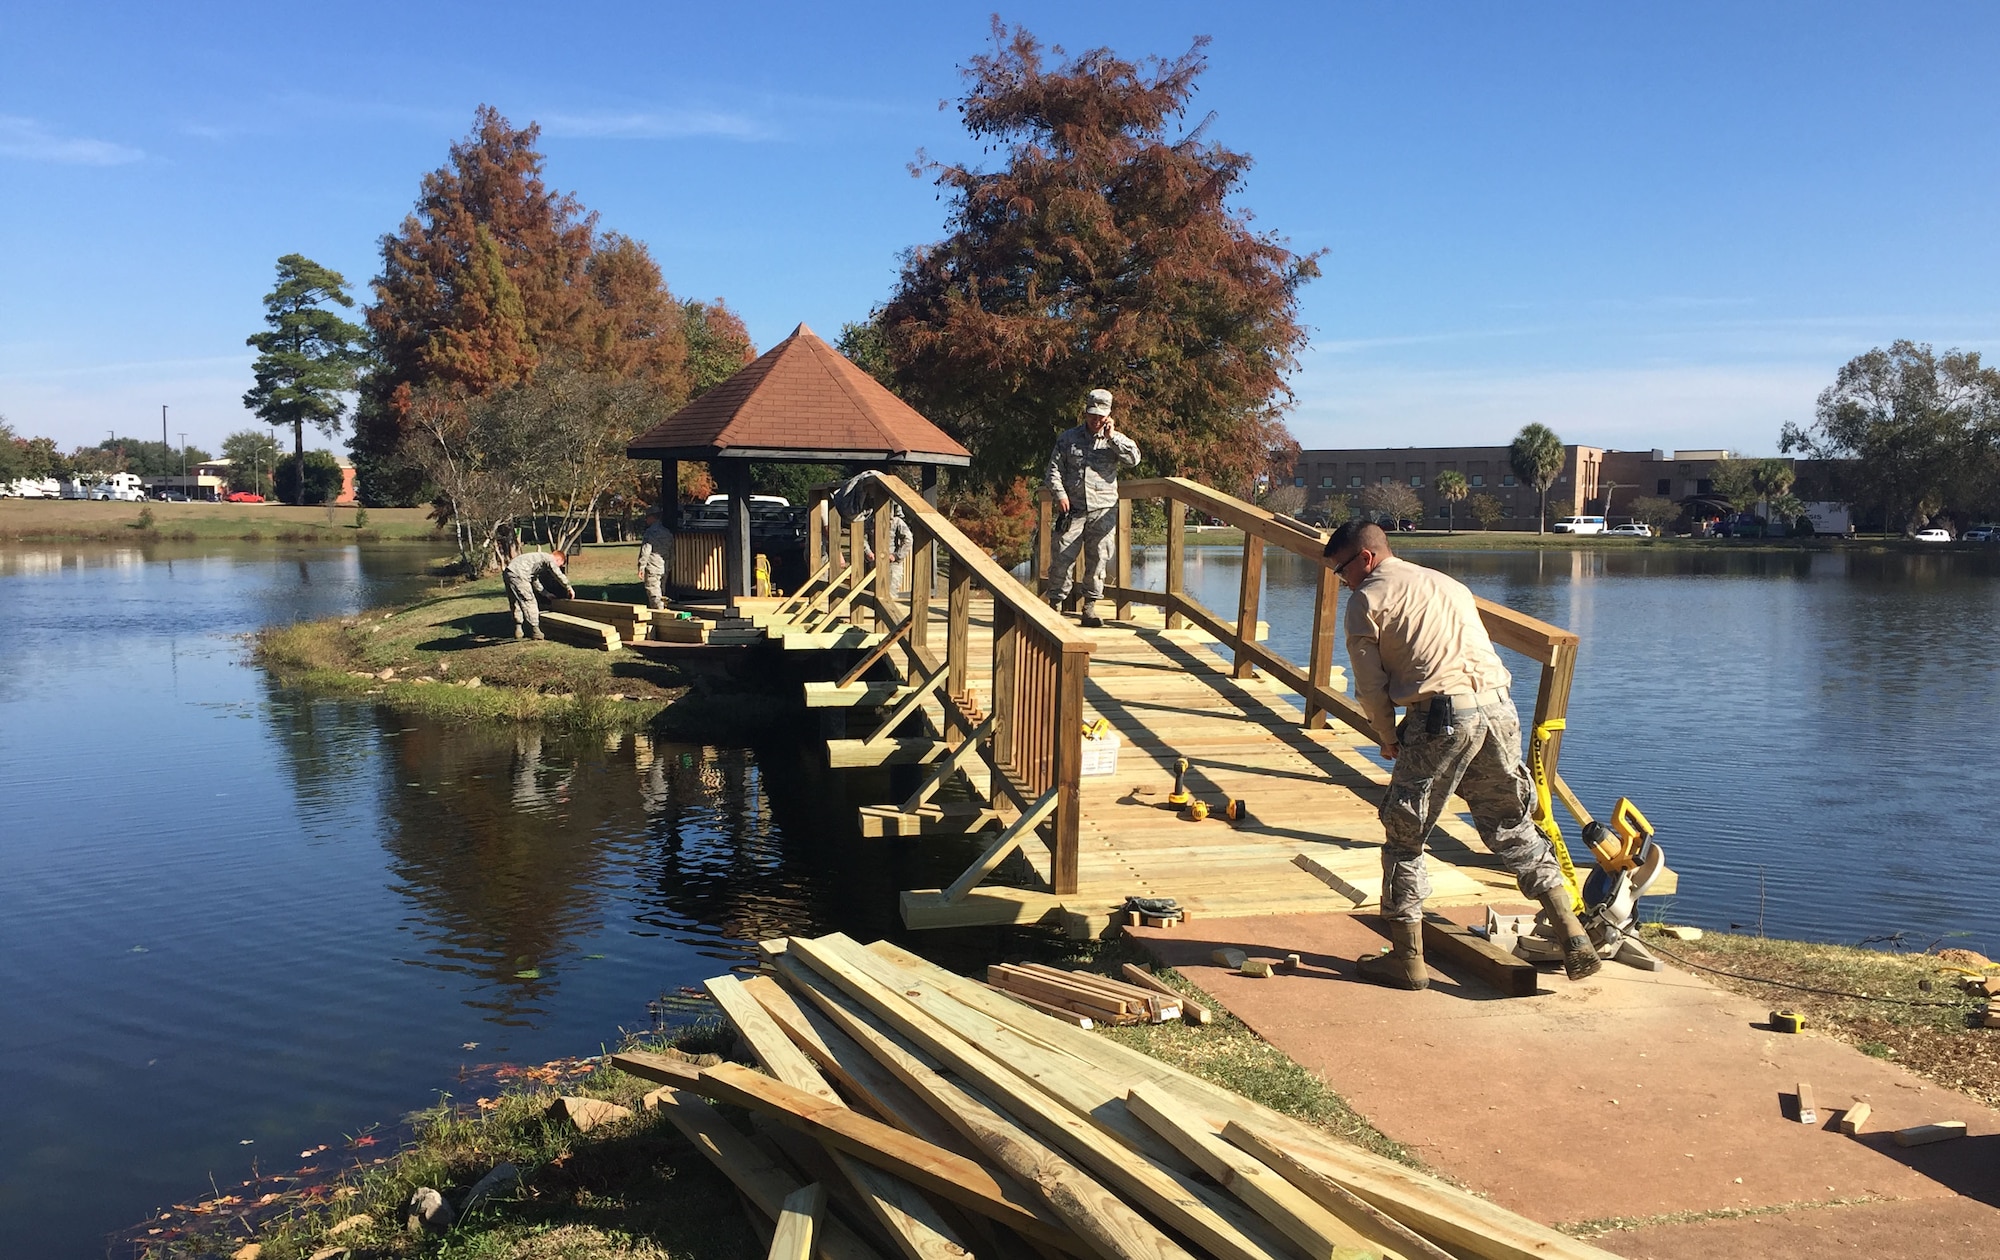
{"type": "Point", "coordinates": [1927, 1228]}
{"type": "Point", "coordinates": [1631, 1094]}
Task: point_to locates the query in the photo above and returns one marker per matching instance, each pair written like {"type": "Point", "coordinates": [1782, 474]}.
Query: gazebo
{"type": "Point", "coordinates": [801, 402]}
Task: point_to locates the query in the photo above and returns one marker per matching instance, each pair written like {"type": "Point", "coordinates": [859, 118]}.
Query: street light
{"type": "Point", "coordinates": [184, 467]}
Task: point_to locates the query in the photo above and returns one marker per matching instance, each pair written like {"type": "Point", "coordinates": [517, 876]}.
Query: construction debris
{"type": "Point", "coordinates": [1191, 1011]}
{"type": "Point", "coordinates": [1099, 998]}
{"type": "Point", "coordinates": [943, 1117]}
{"type": "Point", "coordinates": [1925, 1134]}
{"type": "Point", "coordinates": [1854, 1117]}
{"type": "Point", "coordinates": [1230, 958]}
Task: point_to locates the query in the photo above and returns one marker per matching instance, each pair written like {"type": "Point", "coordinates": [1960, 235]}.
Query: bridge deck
{"type": "Point", "coordinates": [1168, 694]}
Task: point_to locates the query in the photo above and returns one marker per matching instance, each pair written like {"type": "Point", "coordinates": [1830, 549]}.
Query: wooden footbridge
{"type": "Point", "coordinates": [991, 691]}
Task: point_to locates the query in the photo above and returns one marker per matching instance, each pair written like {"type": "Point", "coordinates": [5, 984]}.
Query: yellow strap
{"type": "Point", "coordinates": [1545, 813]}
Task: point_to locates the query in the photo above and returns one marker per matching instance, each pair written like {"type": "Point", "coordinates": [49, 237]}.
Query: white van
{"type": "Point", "coordinates": [1579, 525]}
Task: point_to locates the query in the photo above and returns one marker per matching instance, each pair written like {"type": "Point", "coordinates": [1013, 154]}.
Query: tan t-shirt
{"type": "Point", "coordinates": [1412, 632]}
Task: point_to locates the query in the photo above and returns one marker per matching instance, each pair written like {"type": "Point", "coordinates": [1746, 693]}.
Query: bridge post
{"type": "Point", "coordinates": [1006, 650]}
{"type": "Point", "coordinates": [1123, 570]}
{"type": "Point", "coordinates": [1074, 665]}
{"type": "Point", "coordinates": [1319, 665]}
{"type": "Point", "coordinates": [1176, 561]}
{"type": "Point", "coordinates": [958, 631]}
{"type": "Point", "coordinates": [1045, 523]}
{"type": "Point", "coordinates": [1251, 593]}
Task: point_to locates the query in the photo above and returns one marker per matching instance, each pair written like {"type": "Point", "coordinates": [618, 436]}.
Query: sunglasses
{"type": "Point", "coordinates": [1350, 560]}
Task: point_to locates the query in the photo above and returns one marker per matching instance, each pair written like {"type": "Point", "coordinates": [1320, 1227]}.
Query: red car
{"type": "Point", "coordinates": [244, 496]}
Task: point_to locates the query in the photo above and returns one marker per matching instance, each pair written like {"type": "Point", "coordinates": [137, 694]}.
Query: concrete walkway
{"type": "Point", "coordinates": [1672, 1098]}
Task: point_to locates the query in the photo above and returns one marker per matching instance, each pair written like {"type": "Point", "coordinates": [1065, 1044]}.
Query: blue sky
{"type": "Point", "coordinates": [1661, 225]}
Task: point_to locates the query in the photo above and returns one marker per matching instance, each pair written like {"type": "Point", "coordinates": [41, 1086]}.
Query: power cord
{"type": "Point", "coordinates": [1800, 988]}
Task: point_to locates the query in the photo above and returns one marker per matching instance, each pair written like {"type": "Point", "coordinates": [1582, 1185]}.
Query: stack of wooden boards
{"type": "Point", "coordinates": [1083, 998]}
{"type": "Point", "coordinates": [608, 624]}
{"type": "Point", "coordinates": [943, 1118]}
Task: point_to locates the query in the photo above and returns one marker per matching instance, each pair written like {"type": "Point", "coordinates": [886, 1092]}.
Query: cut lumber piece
{"type": "Point", "coordinates": [954, 819]}
{"type": "Point", "coordinates": [1367, 1220]}
{"type": "Point", "coordinates": [932, 1168]}
{"type": "Point", "coordinates": [1191, 1011]}
{"type": "Point", "coordinates": [766, 1040]}
{"type": "Point", "coordinates": [913, 1222]}
{"type": "Point", "coordinates": [762, 1182]}
{"type": "Point", "coordinates": [824, 640]}
{"type": "Point", "coordinates": [982, 907]}
{"type": "Point", "coordinates": [1098, 1068]}
{"type": "Point", "coordinates": [1854, 1117]}
{"type": "Point", "coordinates": [826, 695]}
{"type": "Point", "coordinates": [658, 1067]}
{"type": "Point", "coordinates": [582, 633]}
{"type": "Point", "coordinates": [601, 609]}
{"type": "Point", "coordinates": [1050, 1009]}
{"type": "Point", "coordinates": [1226, 957]}
{"type": "Point", "coordinates": [1072, 996]}
{"type": "Point", "coordinates": [850, 754]}
{"type": "Point", "coordinates": [675, 630]}
{"type": "Point", "coordinates": [1166, 1191]}
{"type": "Point", "coordinates": [1925, 1134]}
{"type": "Point", "coordinates": [1331, 878]}
{"type": "Point", "coordinates": [1808, 1107]}
{"type": "Point", "coordinates": [1510, 976]}
{"type": "Point", "coordinates": [798, 1222]}
{"type": "Point", "coordinates": [1317, 1232]}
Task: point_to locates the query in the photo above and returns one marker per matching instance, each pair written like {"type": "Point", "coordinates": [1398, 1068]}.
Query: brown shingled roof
{"type": "Point", "coordinates": [801, 399]}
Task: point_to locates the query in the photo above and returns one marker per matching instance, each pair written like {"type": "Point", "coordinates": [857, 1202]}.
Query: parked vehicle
{"type": "Point", "coordinates": [1631, 529]}
{"type": "Point", "coordinates": [244, 496]}
{"type": "Point", "coordinates": [1579, 525]}
{"type": "Point", "coordinates": [1830, 518]}
{"type": "Point", "coordinates": [1933, 536]}
{"type": "Point", "coordinates": [173, 496]}
{"type": "Point", "coordinates": [1982, 533]}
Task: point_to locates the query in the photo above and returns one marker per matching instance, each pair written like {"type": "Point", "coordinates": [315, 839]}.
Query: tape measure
{"type": "Point", "coordinates": [1788, 1021]}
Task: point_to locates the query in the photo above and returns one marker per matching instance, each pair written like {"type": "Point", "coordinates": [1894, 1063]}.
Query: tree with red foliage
{"type": "Point", "coordinates": [1103, 253]}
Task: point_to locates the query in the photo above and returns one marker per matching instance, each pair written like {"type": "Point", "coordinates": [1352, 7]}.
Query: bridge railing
{"type": "Point", "coordinates": [1235, 630]}
{"type": "Point", "coordinates": [1032, 741]}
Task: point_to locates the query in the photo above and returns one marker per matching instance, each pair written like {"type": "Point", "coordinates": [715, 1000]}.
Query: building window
{"type": "Point", "coordinates": [1388, 479]}
{"type": "Point", "coordinates": [1444, 509]}
{"type": "Point", "coordinates": [1478, 480]}
{"type": "Point", "coordinates": [1326, 483]}
{"type": "Point", "coordinates": [1665, 486]}
{"type": "Point", "coordinates": [1354, 482]}
{"type": "Point", "coordinates": [1704, 486]}
{"type": "Point", "coordinates": [1507, 510]}
{"type": "Point", "coordinates": [1416, 479]}
{"type": "Point", "coordinates": [1300, 481]}
{"type": "Point", "coordinates": [1507, 480]}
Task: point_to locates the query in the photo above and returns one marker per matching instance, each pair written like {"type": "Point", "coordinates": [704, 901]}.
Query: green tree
{"type": "Point", "coordinates": [1536, 456]}
{"type": "Point", "coordinates": [1922, 430]}
{"type": "Point", "coordinates": [1102, 252]}
{"type": "Point", "coordinates": [320, 482]}
{"type": "Point", "coordinates": [1392, 500]}
{"type": "Point", "coordinates": [253, 460]}
{"type": "Point", "coordinates": [13, 454]}
{"type": "Point", "coordinates": [1452, 487]}
{"type": "Point", "coordinates": [309, 356]}
{"type": "Point", "coordinates": [1486, 510]}
{"type": "Point", "coordinates": [1655, 511]}
{"type": "Point", "coordinates": [135, 455]}
{"type": "Point", "coordinates": [1734, 482]}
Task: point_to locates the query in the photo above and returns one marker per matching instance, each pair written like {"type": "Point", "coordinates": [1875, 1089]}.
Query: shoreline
{"type": "Point", "coordinates": [31, 521]}
{"type": "Point", "coordinates": [635, 1190]}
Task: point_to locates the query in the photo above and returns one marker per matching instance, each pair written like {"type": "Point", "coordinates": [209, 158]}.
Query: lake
{"type": "Point", "coordinates": [240, 923]}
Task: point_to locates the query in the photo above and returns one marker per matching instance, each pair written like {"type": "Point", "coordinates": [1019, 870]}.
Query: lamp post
{"type": "Point", "coordinates": [184, 467]}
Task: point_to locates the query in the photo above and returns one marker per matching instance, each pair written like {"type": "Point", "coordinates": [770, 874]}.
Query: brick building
{"type": "Point", "coordinates": [1330, 474]}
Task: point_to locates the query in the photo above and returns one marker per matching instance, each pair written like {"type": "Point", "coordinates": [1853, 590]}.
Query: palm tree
{"type": "Point", "coordinates": [1536, 457]}
{"type": "Point", "coordinates": [1451, 487]}
{"type": "Point", "coordinates": [1772, 479]}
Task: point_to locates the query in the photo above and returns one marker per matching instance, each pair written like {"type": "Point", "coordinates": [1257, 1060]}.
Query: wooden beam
{"type": "Point", "coordinates": [1191, 1011]}
{"type": "Point", "coordinates": [766, 1040]}
{"type": "Point", "coordinates": [1176, 556]}
{"type": "Point", "coordinates": [953, 1177]}
{"type": "Point", "coordinates": [1366, 1219]}
{"type": "Point", "coordinates": [880, 650]}
{"type": "Point", "coordinates": [826, 695]}
{"type": "Point", "coordinates": [798, 1223]}
{"type": "Point", "coordinates": [924, 909]}
{"type": "Point", "coordinates": [1318, 1233]}
{"type": "Point", "coordinates": [956, 818]}
{"type": "Point", "coordinates": [967, 749]}
{"type": "Point", "coordinates": [906, 707]}
{"type": "Point", "coordinates": [578, 631]}
{"type": "Point", "coordinates": [1122, 567]}
{"type": "Point", "coordinates": [848, 754]}
{"type": "Point", "coordinates": [1510, 976]}
{"type": "Point", "coordinates": [1005, 843]}
{"type": "Point", "coordinates": [1250, 593]}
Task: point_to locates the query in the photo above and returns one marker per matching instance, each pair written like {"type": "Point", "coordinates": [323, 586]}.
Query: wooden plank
{"type": "Point", "coordinates": [1510, 976]}
{"type": "Point", "coordinates": [1925, 1134]}
{"type": "Point", "coordinates": [826, 695]}
{"type": "Point", "coordinates": [958, 818]}
{"type": "Point", "coordinates": [1008, 840]}
{"type": "Point", "coordinates": [1328, 876]}
{"type": "Point", "coordinates": [922, 909]}
{"type": "Point", "coordinates": [1318, 1233]}
{"type": "Point", "coordinates": [953, 1177]}
{"type": "Point", "coordinates": [676, 630]}
{"type": "Point", "coordinates": [1001, 1066]}
{"type": "Point", "coordinates": [601, 609]}
{"type": "Point", "coordinates": [1808, 1106]}
{"type": "Point", "coordinates": [798, 1223]}
{"type": "Point", "coordinates": [1854, 1118]}
{"type": "Point", "coordinates": [824, 640]}
{"type": "Point", "coordinates": [1096, 1073]}
{"type": "Point", "coordinates": [1367, 1220]}
{"type": "Point", "coordinates": [849, 754]}
{"type": "Point", "coordinates": [762, 1182]}
{"type": "Point", "coordinates": [1076, 1001]}
{"type": "Point", "coordinates": [1074, 1019]}
{"type": "Point", "coordinates": [657, 1067]}
{"type": "Point", "coordinates": [578, 631]}
{"type": "Point", "coordinates": [766, 1040]}
{"type": "Point", "coordinates": [1191, 1011]}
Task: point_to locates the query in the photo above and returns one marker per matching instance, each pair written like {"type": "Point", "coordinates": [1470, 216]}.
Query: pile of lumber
{"type": "Point", "coordinates": [1083, 998]}
{"type": "Point", "coordinates": [938, 1117]}
{"type": "Point", "coordinates": [580, 631]}
{"type": "Point", "coordinates": [631, 621]}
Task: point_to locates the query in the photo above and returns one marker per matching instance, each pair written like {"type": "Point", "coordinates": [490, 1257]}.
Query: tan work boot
{"type": "Point", "coordinates": [1579, 955]}
{"type": "Point", "coordinates": [1403, 966]}
{"type": "Point", "coordinates": [1090, 620]}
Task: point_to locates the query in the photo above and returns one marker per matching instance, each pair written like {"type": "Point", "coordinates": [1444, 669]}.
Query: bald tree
{"type": "Point", "coordinates": [1103, 251]}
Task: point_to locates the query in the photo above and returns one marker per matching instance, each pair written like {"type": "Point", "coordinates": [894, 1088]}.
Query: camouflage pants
{"type": "Point", "coordinates": [1093, 533]}
{"type": "Point", "coordinates": [1481, 761]}
{"type": "Point", "coordinates": [521, 601]}
{"type": "Point", "coordinates": [652, 579]}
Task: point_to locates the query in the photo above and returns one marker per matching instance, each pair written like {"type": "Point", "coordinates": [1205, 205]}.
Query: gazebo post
{"type": "Point", "coordinates": [735, 478]}
{"type": "Point", "coordinates": [670, 493]}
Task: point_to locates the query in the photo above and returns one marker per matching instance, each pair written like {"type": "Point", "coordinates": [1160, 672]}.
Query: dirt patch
{"type": "Point", "coordinates": [1910, 1009]}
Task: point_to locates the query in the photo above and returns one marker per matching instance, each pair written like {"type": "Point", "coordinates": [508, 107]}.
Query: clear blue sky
{"type": "Point", "coordinates": [1661, 225]}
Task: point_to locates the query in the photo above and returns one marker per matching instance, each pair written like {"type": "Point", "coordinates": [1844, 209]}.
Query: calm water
{"type": "Point", "coordinates": [1825, 722]}
{"type": "Point", "coordinates": [237, 925]}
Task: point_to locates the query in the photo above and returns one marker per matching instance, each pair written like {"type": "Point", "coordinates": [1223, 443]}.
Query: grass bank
{"type": "Point", "coordinates": [452, 657]}
{"type": "Point", "coordinates": [62, 520]}
{"type": "Point", "coordinates": [1910, 1008]}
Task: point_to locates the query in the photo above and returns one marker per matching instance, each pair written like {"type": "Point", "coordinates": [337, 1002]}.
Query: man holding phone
{"type": "Point", "coordinates": [1083, 472]}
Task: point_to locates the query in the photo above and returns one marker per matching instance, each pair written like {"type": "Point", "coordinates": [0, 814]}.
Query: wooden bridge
{"type": "Point", "coordinates": [991, 691]}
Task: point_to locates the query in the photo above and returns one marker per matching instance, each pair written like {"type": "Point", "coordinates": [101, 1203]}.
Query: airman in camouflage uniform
{"type": "Point", "coordinates": [1083, 471]}
{"type": "Point", "coordinates": [528, 574]}
{"type": "Point", "coordinates": [656, 549]}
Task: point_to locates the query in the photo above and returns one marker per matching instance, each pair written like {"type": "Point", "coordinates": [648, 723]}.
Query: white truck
{"type": "Point", "coordinates": [1830, 518]}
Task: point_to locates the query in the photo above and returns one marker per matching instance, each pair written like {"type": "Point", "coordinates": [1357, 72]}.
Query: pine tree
{"type": "Point", "coordinates": [309, 357]}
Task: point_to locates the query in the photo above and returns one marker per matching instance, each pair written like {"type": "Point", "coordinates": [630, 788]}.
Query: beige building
{"type": "Point", "coordinates": [1327, 475]}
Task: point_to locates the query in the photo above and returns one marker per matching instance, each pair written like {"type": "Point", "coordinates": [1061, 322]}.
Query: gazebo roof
{"type": "Point", "coordinates": [802, 401]}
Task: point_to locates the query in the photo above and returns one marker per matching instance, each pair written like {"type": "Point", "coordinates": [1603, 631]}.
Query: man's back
{"type": "Point", "coordinates": [1421, 630]}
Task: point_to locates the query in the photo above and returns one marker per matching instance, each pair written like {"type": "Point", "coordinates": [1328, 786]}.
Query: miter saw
{"type": "Point", "coordinates": [1606, 900]}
